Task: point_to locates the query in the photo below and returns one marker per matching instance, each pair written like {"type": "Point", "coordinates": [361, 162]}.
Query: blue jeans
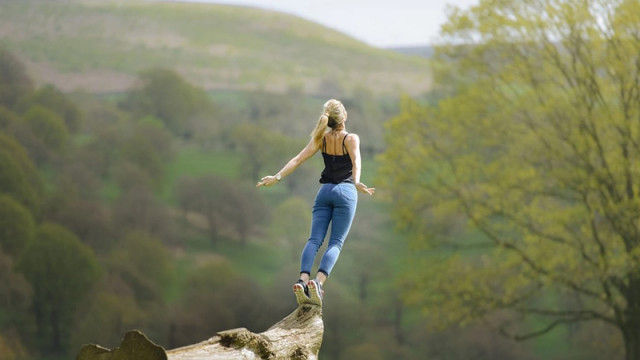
{"type": "Point", "coordinates": [335, 204]}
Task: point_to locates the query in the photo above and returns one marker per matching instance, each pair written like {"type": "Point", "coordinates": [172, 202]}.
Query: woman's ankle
{"type": "Point", "coordinates": [304, 277]}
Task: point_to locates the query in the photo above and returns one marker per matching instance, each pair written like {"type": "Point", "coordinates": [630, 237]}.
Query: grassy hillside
{"type": "Point", "coordinates": [101, 46]}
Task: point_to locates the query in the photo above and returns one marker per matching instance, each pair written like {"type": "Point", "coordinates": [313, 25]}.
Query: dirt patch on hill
{"type": "Point", "coordinates": [94, 81]}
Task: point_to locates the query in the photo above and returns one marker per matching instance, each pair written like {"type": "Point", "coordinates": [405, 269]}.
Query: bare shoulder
{"type": "Point", "coordinates": [353, 138]}
{"type": "Point", "coordinates": [352, 141]}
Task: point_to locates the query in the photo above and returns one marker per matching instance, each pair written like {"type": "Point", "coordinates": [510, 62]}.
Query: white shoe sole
{"type": "Point", "coordinates": [314, 293]}
{"type": "Point", "coordinates": [301, 297]}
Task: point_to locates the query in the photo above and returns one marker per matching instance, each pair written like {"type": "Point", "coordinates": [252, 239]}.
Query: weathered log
{"type": "Point", "coordinates": [135, 345]}
{"type": "Point", "coordinates": [297, 336]}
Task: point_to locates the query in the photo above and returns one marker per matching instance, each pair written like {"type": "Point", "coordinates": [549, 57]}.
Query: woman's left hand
{"type": "Point", "coordinates": [267, 181]}
{"type": "Point", "coordinates": [363, 188]}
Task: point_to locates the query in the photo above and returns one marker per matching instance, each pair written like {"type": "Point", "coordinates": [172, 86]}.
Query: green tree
{"type": "Point", "coordinates": [55, 100]}
{"type": "Point", "coordinates": [7, 118]}
{"type": "Point", "coordinates": [105, 317]}
{"type": "Point", "coordinates": [230, 210]}
{"type": "Point", "coordinates": [167, 96]}
{"type": "Point", "coordinates": [89, 220]}
{"type": "Point", "coordinates": [16, 226]}
{"type": "Point", "coordinates": [520, 186]}
{"type": "Point", "coordinates": [137, 209]}
{"type": "Point", "coordinates": [263, 149]}
{"type": "Point", "coordinates": [144, 264]}
{"type": "Point", "coordinates": [140, 153]}
{"type": "Point", "coordinates": [216, 297]}
{"type": "Point", "coordinates": [62, 271]}
{"type": "Point", "coordinates": [18, 175]}
{"type": "Point", "coordinates": [145, 151]}
{"type": "Point", "coordinates": [290, 228]}
{"type": "Point", "coordinates": [14, 81]}
{"type": "Point", "coordinates": [15, 297]}
{"type": "Point", "coordinates": [266, 151]}
{"type": "Point", "coordinates": [47, 134]}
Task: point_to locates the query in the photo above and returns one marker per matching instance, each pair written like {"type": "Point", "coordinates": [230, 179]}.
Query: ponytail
{"type": "Point", "coordinates": [334, 115]}
{"type": "Point", "coordinates": [320, 129]}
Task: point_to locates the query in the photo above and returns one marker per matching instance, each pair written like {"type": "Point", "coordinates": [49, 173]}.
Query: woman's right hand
{"type": "Point", "coordinates": [267, 181]}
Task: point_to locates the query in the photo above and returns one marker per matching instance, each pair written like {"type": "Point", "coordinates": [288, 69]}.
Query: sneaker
{"type": "Point", "coordinates": [315, 292]}
{"type": "Point", "coordinates": [301, 290]}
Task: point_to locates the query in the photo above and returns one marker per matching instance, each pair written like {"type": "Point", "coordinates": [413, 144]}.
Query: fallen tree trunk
{"type": "Point", "coordinates": [297, 336]}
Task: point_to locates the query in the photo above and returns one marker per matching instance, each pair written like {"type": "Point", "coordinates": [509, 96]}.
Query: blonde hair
{"type": "Point", "coordinates": [333, 116]}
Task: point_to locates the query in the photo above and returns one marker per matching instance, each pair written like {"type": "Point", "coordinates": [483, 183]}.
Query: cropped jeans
{"type": "Point", "coordinates": [335, 204]}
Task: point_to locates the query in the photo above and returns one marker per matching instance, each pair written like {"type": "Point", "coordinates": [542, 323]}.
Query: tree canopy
{"type": "Point", "coordinates": [61, 270]}
{"type": "Point", "coordinates": [14, 81]}
{"type": "Point", "coordinates": [167, 96]}
{"type": "Point", "coordinates": [519, 182]}
{"type": "Point", "coordinates": [19, 177]}
{"type": "Point", "coordinates": [16, 226]}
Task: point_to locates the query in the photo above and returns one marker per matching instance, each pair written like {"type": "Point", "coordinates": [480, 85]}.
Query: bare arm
{"type": "Point", "coordinates": [292, 165]}
{"type": "Point", "coordinates": [353, 145]}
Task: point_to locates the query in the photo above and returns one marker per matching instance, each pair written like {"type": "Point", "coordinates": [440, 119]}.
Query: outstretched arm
{"type": "Point", "coordinates": [291, 166]}
{"type": "Point", "coordinates": [353, 145]}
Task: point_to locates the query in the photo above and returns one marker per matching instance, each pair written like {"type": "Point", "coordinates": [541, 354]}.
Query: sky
{"type": "Point", "coordinates": [381, 23]}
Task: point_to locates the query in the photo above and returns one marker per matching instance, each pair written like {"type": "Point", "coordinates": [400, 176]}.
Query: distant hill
{"type": "Point", "coordinates": [423, 51]}
{"type": "Point", "coordinates": [101, 45]}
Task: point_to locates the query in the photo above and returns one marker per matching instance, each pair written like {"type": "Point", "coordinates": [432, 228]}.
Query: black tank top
{"type": "Point", "coordinates": [337, 168]}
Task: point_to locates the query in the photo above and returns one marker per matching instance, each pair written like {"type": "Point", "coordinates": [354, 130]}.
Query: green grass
{"type": "Point", "coordinates": [192, 162]}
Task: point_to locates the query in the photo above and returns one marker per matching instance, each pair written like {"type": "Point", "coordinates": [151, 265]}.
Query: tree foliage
{"type": "Point", "coordinates": [217, 297]}
{"type": "Point", "coordinates": [165, 95]}
{"type": "Point", "coordinates": [15, 296]}
{"type": "Point", "coordinates": [8, 118]}
{"type": "Point", "coordinates": [62, 271]}
{"type": "Point", "coordinates": [14, 81]}
{"type": "Point", "coordinates": [263, 148]}
{"type": "Point", "coordinates": [55, 100]}
{"type": "Point", "coordinates": [106, 317]}
{"type": "Point", "coordinates": [520, 185]}
{"type": "Point", "coordinates": [91, 221]}
{"type": "Point", "coordinates": [143, 263]}
{"type": "Point", "coordinates": [291, 226]}
{"type": "Point", "coordinates": [231, 210]}
{"type": "Point", "coordinates": [16, 226]}
{"type": "Point", "coordinates": [47, 134]}
{"type": "Point", "coordinates": [148, 148]}
{"type": "Point", "coordinates": [138, 210]}
{"type": "Point", "coordinates": [18, 175]}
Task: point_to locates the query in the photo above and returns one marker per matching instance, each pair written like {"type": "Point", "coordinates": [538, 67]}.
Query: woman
{"type": "Point", "coordinates": [336, 200]}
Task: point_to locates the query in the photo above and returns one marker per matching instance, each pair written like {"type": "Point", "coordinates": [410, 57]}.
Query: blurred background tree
{"type": "Point", "coordinates": [291, 221]}
{"type": "Point", "coordinates": [55, 100]}
{"type": "Point", "coordinates": [62, 271]}
{"type": "Point", "coordinates": [230, 210]}
{"type": "Point", "coordinates": [166, 95]}
{"type": "Point", "coordinates": [19, 178]}
{"type": "Point", "coordinates": [16, 226]}
{"type": "Point", "coordinates": [47, 135]}
{"type": "Point", "coordinates": [522, 193]}
{"type": "Point", "coordinates": [14, 81]}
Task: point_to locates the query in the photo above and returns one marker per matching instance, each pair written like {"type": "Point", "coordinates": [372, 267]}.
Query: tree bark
{"type": "Point", "coordinates": [297, 336]}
